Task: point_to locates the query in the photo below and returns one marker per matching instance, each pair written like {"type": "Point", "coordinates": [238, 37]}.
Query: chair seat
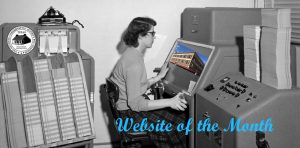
{"type": "Point", "coordinates": [136, 136]}
{"type": "Point", "coordinates": [137, 133]}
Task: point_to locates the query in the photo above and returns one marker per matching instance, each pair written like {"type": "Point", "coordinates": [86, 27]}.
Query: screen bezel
{"type": "Point", "coordinates": [179, 40]}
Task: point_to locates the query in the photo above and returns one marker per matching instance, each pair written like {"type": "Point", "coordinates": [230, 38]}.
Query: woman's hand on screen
{"type": "Point", "coordinates": [164, 70]}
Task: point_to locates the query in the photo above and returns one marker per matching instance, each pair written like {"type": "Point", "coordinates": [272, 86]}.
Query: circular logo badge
{"type": "Point", "coordinates": [21, 40]}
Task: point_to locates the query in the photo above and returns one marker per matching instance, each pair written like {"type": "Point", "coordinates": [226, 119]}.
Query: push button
{"type": "Point", "coordinates": [209, 87]}
{"type": "Point", "coordinates": [224, 79]}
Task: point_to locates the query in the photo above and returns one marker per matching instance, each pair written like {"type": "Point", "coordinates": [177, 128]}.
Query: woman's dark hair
{"type": "Point", "coordinates": [138, 26]}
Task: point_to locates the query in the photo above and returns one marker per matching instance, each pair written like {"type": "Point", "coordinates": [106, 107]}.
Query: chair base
{"type": "Point", "coordinates": [137, 144]}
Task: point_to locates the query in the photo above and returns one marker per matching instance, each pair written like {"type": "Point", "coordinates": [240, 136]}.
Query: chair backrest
{"type": "Point", "coordinates": [112, 91]}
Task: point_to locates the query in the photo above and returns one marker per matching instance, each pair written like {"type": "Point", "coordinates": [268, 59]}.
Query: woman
{"type": "Point", "coordinates": [130, 75]}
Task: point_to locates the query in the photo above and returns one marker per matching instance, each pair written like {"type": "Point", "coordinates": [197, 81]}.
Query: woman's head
{"type": "Point", "coordinates": [138, 27]}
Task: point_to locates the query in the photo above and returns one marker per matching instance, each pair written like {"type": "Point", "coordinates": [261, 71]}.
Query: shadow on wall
{"type": "Point", "coordinates": [115, 137]}
{"type": "Point", "coordinates": [121, 46]}
{"type": "Point", "coordinates": [106, 110]}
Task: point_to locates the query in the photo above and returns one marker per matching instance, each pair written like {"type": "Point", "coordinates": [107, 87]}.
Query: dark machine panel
{"type": "Point", "coordinates": [232, 97]}
{"type": "Point", "coordinates": [223, 29]}
{"type": "Point", "coordinates": [217, 25]}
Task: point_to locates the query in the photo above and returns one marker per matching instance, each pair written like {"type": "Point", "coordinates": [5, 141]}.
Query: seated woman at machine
{"type": "Point", "coordinates": [130, 76]}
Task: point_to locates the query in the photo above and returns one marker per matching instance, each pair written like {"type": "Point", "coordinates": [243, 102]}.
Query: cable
{"type": "Point", "coordinates": [76, 21]}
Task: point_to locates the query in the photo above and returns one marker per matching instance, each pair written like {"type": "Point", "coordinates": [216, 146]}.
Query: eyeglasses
{"type": "Point", "coordinates": [152, 33]}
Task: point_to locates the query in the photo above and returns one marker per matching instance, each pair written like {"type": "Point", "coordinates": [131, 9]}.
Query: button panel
{"type": "Point", "coordinates": [229, 88]}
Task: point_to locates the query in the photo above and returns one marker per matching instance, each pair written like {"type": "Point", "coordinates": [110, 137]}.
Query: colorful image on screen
{"type": "Point", "coordinates": [188, 59]}
{"type": "Point", "coordinates": [186, 62]}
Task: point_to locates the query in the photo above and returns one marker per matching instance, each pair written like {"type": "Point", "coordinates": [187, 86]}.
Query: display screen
{"type": "Point", "coordinates": [186, 62]}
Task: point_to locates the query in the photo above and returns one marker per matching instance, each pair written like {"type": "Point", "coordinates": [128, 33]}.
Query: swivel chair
{"type": "Point", "coordinates": [128, 139]}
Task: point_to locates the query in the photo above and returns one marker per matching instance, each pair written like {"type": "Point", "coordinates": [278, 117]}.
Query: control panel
{"type": "Point", "coordinates": [256, 114]}
{"type": "Point", "coordinates": [237, 89]}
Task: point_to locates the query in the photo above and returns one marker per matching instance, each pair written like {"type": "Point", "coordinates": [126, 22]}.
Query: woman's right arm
{"type": "Point", "coordinates": [177, 103]}
{"type": "Point", "coordinates": [138, 103]}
